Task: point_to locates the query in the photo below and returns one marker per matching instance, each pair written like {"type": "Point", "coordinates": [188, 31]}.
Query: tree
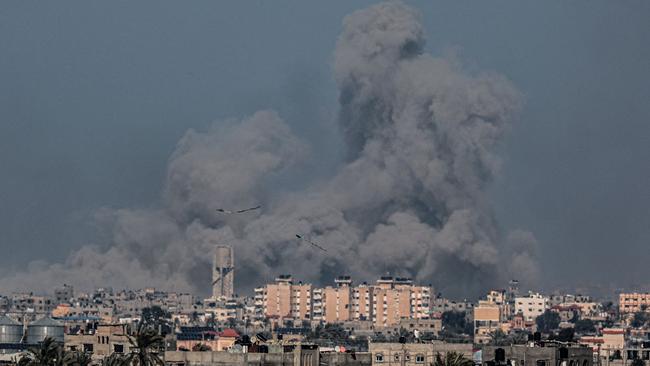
{"type": "Point", "coordinates": [76, 358]}
{"type": "Point", "coordinates": [48, 353]}
{"type": "Point", "coordinates": [157, 318]}
{"type": "Point", "coordinates": [402, 332]}
{"type": "Point", "coordinates": [455, 322]}
{"type": "Point", "coordinates": [145, 346]}
{"type": "Point", "coordinates": [637, 362]}
{"type": "Point", "coordinates": [452, 359]}
{"type": "Point", "coordinates": [585, 326]}
{"type": "Point", "coordinates": [565, 335]}
{"type": "Point", "coordinates": [115, 359]}
{"type": "Point", "coordinates": [499, 338]}
{"type": "Point", "coordinates": [548, 321]}
{"type": "Point", "coordinates": [639, 320]}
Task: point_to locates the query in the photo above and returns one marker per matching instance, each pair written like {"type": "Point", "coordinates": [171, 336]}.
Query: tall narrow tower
{"type": "Point", "coordinates": [223, 272]}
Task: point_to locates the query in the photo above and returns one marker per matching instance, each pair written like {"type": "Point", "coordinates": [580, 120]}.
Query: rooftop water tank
{"type": "Point", "coordinates": [42, 328]}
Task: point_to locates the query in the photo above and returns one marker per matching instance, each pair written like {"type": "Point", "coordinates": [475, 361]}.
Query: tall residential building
{"type": "Point", "coordinates": [223, 272]}
{"type": "Point", "coordinates": [284, 299]}
{"type": "Point", "coordinates": [385, 303]}
{"type": "Point", "coordinates": [398, 298]}
{"type": "Point", "coordinates": [338, 301]}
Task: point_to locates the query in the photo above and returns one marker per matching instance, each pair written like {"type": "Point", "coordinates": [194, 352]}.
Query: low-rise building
{"type": "Point", "coordinates": [105, 340]}
{"type": "Point", "coordinates": [524, 355]}
{"type": "Point", "coordinates": [387, 354]}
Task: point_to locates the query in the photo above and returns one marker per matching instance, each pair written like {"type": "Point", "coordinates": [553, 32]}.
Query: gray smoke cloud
{"type": "Point", "coordinates": [409, 200]}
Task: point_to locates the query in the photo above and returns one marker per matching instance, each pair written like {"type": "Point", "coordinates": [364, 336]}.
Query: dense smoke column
{"type": "Point", "coordinates": [410, 198]}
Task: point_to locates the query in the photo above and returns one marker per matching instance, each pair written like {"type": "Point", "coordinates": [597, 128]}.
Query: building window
{"type": "Point", "coordinates": [396, 357]}
{"type": "Point", "coordinates": [118, 348]}
{"type": "Point", "coordinates": [379, 358]}
{"type": "Point", "coordinates": [88, 347]}
{"type": "Point", "coordinates": [419, 358]}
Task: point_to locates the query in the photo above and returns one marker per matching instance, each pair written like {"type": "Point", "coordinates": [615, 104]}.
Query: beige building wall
{"type": "Point", "coordinates": [633, 302]}
{"type": "Point", "coordinates": [386, 354]}
{"type": "Point", "coordinates": [283, 299]}
{"type": "Point", "coordinates": [362, 302]}
{"type": "Point", "coordinates": [337, 304]}
{"type": "Point", "coordinates": [531, 306]}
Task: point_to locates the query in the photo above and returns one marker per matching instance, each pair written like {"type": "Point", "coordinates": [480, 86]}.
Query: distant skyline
{"type": "Point", "coordinates": [96, 96]}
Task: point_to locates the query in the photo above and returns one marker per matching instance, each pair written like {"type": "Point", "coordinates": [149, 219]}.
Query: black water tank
{"type": "Point", "coordinates": [564, 353]}
{"type": "Point", "coordinates": [499, 355]}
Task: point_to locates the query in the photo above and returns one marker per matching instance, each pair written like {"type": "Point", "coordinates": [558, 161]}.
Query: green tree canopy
{"type": "Point", "coordinates": [455, 322]}
{"type": "Point", "coordinates": [548, 322]}
{"type": "Point", "coordinates": [452, 359]}
{"type": "Point", "coordinates": [584, 326]}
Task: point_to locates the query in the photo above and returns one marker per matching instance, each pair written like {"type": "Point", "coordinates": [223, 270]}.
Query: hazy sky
{"type": "Point", "coordinates": [95, 95]}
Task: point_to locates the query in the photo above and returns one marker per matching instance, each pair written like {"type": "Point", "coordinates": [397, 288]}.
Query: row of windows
{"type": "Point", "coordinates": [419, 358]}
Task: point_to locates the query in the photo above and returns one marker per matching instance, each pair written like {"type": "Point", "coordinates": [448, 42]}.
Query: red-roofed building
{"type": "Point", "coordinates": [229, 333]}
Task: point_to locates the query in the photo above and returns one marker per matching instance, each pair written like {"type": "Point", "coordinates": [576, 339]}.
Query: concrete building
{"type": "Point", "coordinates": [338, 302]}
{"type": "Point", "coordinates": [531, 306]}
{"type": "Point", "coordinates": [190, 337]}
{"type": "Point", "coordinates": [491, 314]}
{"type": "Point", "coordinates": [107, 339]}
{"type": "Point", "coordinates": [397, 298]}
{"type": "Point", "coordinates": [525, 355]}
{"type": "Point", "coordinates": [223, 272]}
{"type": "Point", "coordinates": [63, 294]}
{"type": "Point", "coordinates": [289, 355]}
{"type": "Point", "coordinates": [284, 299]}
{"type": "Point", "coordinates": [487, 319]}
{"type": "Point", "coordinates": [633, 302]}
{"type": "Point", "coordinates": [388, 354]}
{"type": "Point", "coordinates": [384, 303]}
{"type": "Point", "coordinates": [611, 340]}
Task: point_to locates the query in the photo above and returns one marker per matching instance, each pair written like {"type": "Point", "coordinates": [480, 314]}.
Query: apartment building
{"type": "Point", "coordinates": [531, 306]}
{"type": "Point", "coordinates": [337, 302]}
{"type": "Point", "coordinates": [384, 303]}
{"type": "Point", "coordinates": [633, 302]}
{"type": "Point", "coordinates": [284, 299]}
{"type": "Point", "coordinates": [491, 314]}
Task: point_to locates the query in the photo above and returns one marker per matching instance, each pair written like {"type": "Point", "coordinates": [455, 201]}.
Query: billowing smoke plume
{"type": "Point", "coordinates": [409, 200]}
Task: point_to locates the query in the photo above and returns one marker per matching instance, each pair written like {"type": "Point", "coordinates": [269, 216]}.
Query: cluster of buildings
{"type": "Point", "coordinates": [509, 311]}
{"type": "Point", "coordinates": [209, 330]}
{"type": "Point", "coordinates": [383, 304]}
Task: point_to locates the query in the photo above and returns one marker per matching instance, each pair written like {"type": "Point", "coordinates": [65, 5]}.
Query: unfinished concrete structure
{"type": "Point", "coordinates": [223, 272]}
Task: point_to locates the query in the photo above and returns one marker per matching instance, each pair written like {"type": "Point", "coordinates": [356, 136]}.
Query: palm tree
{"type": "Point", "coordinates": [76, 358]}
{"type": "Point", "coordinates": [115, 359]}
{"type": "Point", "coordinates": [48, 353]}
{"type": "Point", "coordinates": [452, 359]}
{"type": "Point", "coordinates": [144, 347]}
